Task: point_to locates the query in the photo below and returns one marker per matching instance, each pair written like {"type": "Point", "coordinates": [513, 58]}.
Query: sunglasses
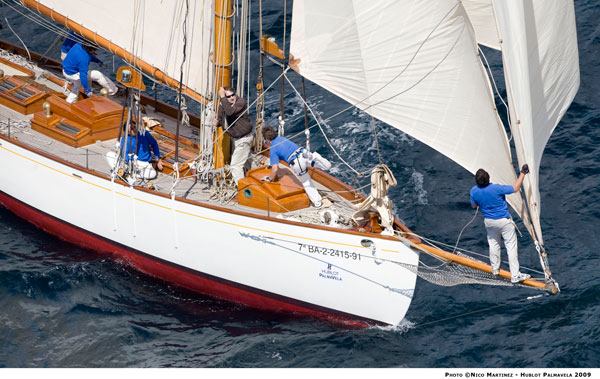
{"type": "Point", "coordinates": [229, 96]}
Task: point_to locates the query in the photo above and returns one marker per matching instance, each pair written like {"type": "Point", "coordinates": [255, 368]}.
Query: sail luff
{"type": "Point", "coordinates": [540, 55]}
{"type": "Point", "coordinates": [113, 48]}
{"type": "Point", "coordinates": [520, 206]}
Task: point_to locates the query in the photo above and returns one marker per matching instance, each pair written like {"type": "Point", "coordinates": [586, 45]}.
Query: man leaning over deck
{"type": "Point", "coordinates": [75, 69]}
{"type": "Point", "coordinates": [299, 159]}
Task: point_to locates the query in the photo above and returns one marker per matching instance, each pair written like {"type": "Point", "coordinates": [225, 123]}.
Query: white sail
{"type": "Point", "coordinates": [541, 67]}
{"type": "Point", "coordinates": [413, 65]}
{"type": "Point", "coordinates": [152, 31]}
{"type": "Point", "coordinates": [481, 14]}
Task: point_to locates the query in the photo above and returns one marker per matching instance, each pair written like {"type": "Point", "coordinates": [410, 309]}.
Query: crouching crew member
{"type": "Point", "coordinates": [142, 144]}
{"type": "Point", "coordinates": [299, 159]}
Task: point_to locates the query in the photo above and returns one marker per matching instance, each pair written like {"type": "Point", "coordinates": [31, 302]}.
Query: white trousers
{"type": "Point", "coordinates": [503, 228]}
{"type": "Point", "coordinates": [142, 170]}
{"type": "Point", "coordinates": [300, 167]}
{"type": "Point", "coordinates": [241, 152]}
{"type": "Point", "coordinates": [94, 75]}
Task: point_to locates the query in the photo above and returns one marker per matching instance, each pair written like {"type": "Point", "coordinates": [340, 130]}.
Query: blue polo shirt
{"type": "Point", "coordinates": [142, 143]}
{"type": "Point", "coordinates": [70, 41]}
{"type": "Point", "coordinates": [281, 149]}
{"type": "Point", "coordinates": [491, 200]}
{"type": "Point", "coordinates": [78, 60]}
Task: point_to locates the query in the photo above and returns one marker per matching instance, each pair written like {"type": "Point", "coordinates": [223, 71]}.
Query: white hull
{"type": "Point", "coordinates": [262, 262]}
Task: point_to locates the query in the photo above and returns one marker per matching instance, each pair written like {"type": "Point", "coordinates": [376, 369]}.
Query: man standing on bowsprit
{"type": "Point", "coordinates": [491, 198]}
{"type": "Point", "coordinates": [234, 110]}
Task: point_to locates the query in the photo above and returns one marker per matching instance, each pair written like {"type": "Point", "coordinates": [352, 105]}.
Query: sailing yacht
{"type": "Point", "coordinates": [415, 65]}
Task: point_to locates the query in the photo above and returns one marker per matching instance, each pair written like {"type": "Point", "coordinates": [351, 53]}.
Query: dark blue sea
{"type": "Point", "coordinates": [64, 306]}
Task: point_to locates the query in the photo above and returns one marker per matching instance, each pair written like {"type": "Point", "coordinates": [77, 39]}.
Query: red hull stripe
{"type": "Point", "coordinates": [180, 275]}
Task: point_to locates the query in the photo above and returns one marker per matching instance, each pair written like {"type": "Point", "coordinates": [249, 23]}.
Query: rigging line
{"type": "Point", "coordinates": [435, 244]}
{"type": "Point", "coordinates": [463, 229]}
{"type": "Point", "coordinates": [366, 256]}
{"type": "Point", "coordinates": [50, 48]}
{"type": "Point", "coordinates": [389, 82]}
{"type": "Point", "coordinates": [376, 139]}
{"type": "Point", "coordinates": [181, 69]}
{"type": "Point", "coordinates": [33, 17]}
{"type": "Point", "coordinates": [466, 252]}
{"type": "Point", "coordinates": [407, 266]}
{"type": "Point", "coordinates": [426, 39]}
{"type": "Point", "coordinates": [282, 94]}
{"type": "Point", "coordinates": [489, 69]}
{"type": "Point", "coordinates": [46, 24]}
{"type": "Point", "coordinates": [265, 239]}
{"type": "Point", "coordinates": [476, 311]}
{"type": "Point", "coordinates": [171, 40]}
{"type": "Point", "coordinates": [322, 131]}
{"type": "Point", "coordinates": [249, 47]}
{"type": "Point", "coordinates": [218, 76]}
{"type": "Point", "coordinates": [424, 76]}
{"type": "Point", "coordinates": [16, 35]}
{"type": "Point", "coordinates": [401, 236]}
{"type": "Point", "coordinates": [194, 19]}
{"type": "Point", "coordinates": [248, 107]}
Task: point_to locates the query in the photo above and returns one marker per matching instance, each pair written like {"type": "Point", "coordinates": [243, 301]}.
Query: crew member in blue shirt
{"type": "Point", "coordinates": [71, 40]}
{"type": "Point", "coordinates": [299, 159]}
{"type": "Point", "coordinates": [143, 145]}
{"type": "Point", "coordinates": [75, 69]}
{"type": "Point", "coordinates": [491, 199]}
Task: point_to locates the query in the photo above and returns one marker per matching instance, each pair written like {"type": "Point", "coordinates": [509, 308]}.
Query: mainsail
{"type": "Point", "coordinates": [152, 31]}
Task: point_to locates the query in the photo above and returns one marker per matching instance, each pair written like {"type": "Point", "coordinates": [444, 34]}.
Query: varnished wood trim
{"type": "Point", "coordinates": [26, 72]}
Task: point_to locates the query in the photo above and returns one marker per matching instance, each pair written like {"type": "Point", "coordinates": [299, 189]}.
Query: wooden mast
{"type": "Point", "coordinates": [223, 59]}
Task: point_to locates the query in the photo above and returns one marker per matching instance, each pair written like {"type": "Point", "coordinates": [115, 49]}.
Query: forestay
{"type": "Point", "coordinates": [413, 65]}
{"type": "Point", "coordinates": [152, 31]}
